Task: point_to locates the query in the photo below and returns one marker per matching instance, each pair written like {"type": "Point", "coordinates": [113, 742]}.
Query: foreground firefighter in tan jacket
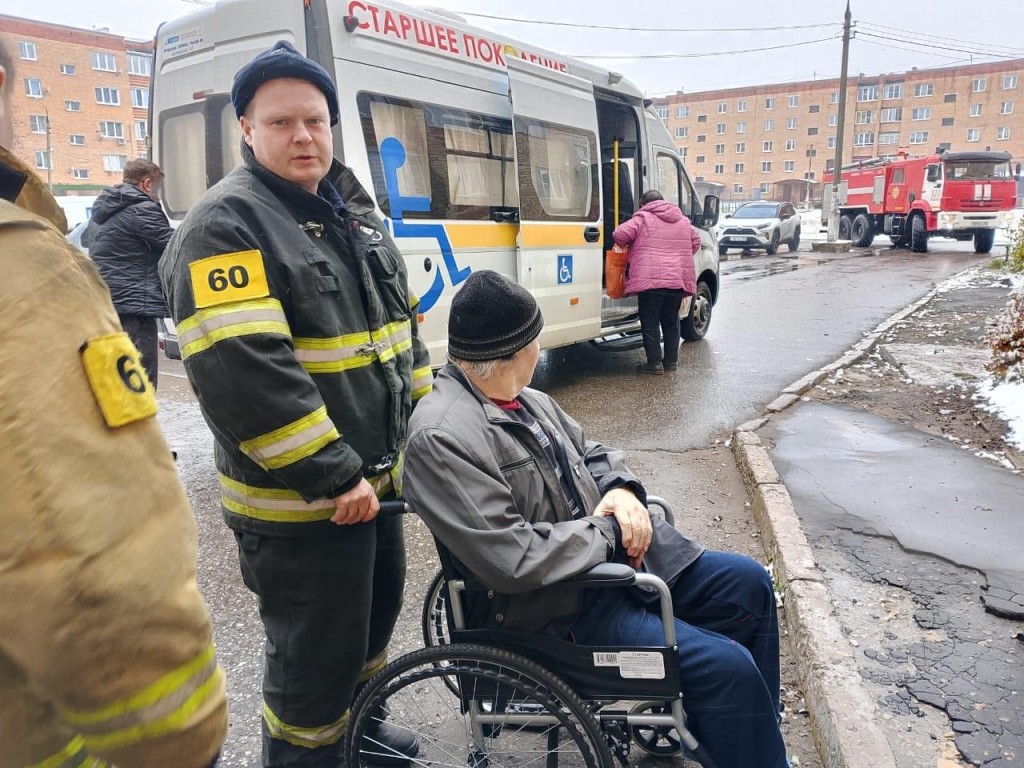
{"type": "Point", "coordinates": [106, 655]}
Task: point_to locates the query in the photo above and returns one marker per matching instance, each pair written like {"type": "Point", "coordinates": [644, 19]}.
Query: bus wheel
{"type": "Point", "coordinates": [694, 326]}
{"type": "Point", "coordinates": [918, 235]}
{"type": "Point", "coordinates": [983, 240]}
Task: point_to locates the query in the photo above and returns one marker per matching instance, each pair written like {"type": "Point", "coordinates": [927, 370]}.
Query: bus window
{"type": "Point", "coordinates": [182, 140]}
{"type": "Point", "coordinates": [406, 124]}
{"type": "Point", "coordinates": [672, 183]}
{"type": "Point", "coordinates": [480, 167]}
{"type": "Point", "coordinates": [557, 171]}
{"type": "Point", "coordinates": [461, 161]}
{"type": "Point", "coordinates": [230, 139]}
{"type": "Point", "coordinates": [668, 179]}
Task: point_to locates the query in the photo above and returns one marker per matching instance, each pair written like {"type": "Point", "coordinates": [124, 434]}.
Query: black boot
{"type": "Point", "coordinates": [385, 744]}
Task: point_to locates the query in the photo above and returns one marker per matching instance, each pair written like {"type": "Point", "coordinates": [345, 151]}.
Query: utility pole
{"type": "Point", "coordinates": [807, 178]}
{"type": "Point", "coordinates": [49, 151]}
{"type": "Point", "coordinates": [833, 216]}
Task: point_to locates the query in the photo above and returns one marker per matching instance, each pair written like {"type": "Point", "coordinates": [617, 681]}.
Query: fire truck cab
{"type": "Point", "coordinates": [964, 195]}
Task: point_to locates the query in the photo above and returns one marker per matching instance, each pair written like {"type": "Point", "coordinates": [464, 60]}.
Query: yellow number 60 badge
{"type": "Point", "coordinates": [119, 383]}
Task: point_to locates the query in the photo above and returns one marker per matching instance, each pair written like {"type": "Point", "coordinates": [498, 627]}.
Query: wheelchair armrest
{"type": "Point", "coordinates": [606, 575]}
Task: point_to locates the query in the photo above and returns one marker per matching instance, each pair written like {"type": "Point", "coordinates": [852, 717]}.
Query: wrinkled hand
{"type": "Point", "coordinates": [358, 505]}
{"type": "Point", "coordinates": [633, 519]}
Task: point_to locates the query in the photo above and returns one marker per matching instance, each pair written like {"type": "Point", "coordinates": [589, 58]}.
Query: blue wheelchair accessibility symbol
{"type": "Point", "coordinates": [564, 268]}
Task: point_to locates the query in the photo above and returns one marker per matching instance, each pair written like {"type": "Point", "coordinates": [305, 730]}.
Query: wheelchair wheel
{"type": "Point", "coordinates": [510, 713]}
{"type": "Point", "coordinates": [434, 620]}
{"type": "Point", "coordinates": [654, 739]}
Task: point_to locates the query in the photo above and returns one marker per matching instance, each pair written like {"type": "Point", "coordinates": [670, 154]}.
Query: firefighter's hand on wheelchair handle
{"type": "Point", "coordinates": [357, 505]}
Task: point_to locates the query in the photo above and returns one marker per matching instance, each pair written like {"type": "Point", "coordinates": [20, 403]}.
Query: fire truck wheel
{"type": "Point", "coordinates": [861, 233]}
{"type": "Point", "coordinates": [845, 225]}
{"type": "Point", "coordinates": [773, 247]}
{"type": "Point", "coordinates": [983, 240]}
{"type": "Point", "coordinates": [918, 235]}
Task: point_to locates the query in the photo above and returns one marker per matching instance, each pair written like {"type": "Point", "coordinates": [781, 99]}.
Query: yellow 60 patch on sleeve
{"type": "Point", "coordinates": [119, 383]}
{"type": "Point", "coordinates": [228, 277]}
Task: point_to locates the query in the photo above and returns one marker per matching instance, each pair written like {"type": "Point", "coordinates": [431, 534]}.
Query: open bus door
{"type": "Point", "coordinates": [559, 252]}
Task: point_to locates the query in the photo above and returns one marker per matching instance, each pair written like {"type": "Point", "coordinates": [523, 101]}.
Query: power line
{"type": "Point", "coordinates": [912, 50]}
{"type": "Point", "coordinates": [942, 39]}
{"type": "Point", "coordinates": [618, 57]}
{"type": "Point", "coordinates": [643, 29]}
{"type": "Point", "coordinates": [978, 53]}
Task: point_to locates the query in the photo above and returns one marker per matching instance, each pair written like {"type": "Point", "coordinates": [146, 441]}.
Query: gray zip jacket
{"type": "Point", "coordinates": [488, 493]}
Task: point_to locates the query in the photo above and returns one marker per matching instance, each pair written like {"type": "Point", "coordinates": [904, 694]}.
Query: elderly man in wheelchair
{"type": "Point", "coordinates": [538, 531]}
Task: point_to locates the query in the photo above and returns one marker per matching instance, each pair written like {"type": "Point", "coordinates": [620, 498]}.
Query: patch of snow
{"type": "Point", "coordinates": [1005, 400]}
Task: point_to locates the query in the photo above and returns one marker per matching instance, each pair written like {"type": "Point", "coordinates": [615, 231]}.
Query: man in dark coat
{"type": "Point", "coordinates": [127, 237]}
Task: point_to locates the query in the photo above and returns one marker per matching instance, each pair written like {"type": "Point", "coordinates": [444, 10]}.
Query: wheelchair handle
{"type": "Point", "coordinates": [395, 507]}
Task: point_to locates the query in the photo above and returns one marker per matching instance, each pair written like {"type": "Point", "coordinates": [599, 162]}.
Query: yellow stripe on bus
{"type": "Point", "coordinates": [487, 235]}
{"type": "Point", "coordinates": [552, 235]}
{"type": "Point", "coordinates": [504, 235]}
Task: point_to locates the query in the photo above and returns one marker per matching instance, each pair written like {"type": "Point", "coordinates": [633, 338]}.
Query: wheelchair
{"type": "Point", "coordinates": [484, 698]}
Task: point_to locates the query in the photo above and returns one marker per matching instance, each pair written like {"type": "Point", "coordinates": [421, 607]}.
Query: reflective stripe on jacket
{"type": "Point", "coordinates": [105, 643]}
{"type": "Point", "coordinates": [309, 386]}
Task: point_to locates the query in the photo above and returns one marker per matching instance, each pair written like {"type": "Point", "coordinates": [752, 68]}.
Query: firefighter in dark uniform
{"type": "Point", "coordinates": [298, 333]}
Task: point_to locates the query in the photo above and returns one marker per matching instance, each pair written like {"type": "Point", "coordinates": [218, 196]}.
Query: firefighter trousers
{"type": "Point", "coordinates": [329, 604]}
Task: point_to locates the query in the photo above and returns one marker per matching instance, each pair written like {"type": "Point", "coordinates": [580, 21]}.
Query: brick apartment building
{"type": "Point", "coordinates": [768, 141]}
{"type": "Point", "coordinates": [91, 89]}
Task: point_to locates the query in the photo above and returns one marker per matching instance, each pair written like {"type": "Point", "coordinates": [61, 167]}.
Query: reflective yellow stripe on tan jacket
{"type": "Point", "coordinates": [280, 505]}
{"type": "Point", "coordinates": [161, 708]}
{"type": "Point", "coordinates": [73, 755]}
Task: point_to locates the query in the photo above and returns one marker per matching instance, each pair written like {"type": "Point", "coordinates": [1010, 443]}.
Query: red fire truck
{"type": "Point", "coordinates": [964, 195]}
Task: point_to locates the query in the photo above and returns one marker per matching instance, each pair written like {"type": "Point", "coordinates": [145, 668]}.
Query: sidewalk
{"type": "Point", "coordinates": [859, 465]}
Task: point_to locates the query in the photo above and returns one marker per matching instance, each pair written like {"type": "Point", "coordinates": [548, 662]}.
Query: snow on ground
{"type": "Point", "coordinates": [1005, 400]}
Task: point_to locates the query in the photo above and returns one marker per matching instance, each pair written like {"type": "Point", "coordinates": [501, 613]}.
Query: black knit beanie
{"type": "Point", "coordinates": [491, 318]}
{"type": "Point", "coordinates": [283, 60]}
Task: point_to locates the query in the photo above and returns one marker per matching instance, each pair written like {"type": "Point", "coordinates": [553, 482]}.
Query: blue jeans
{"type": "Point", "coordinates": [728, 635]}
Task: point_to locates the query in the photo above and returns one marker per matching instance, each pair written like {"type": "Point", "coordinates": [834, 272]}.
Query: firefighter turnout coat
{"type": "Point", "coordinates": [105, 644]}
{"type": "Point", "coordinates": [299, 334]}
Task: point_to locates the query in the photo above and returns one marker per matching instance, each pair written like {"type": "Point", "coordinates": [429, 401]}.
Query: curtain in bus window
{"type": "Point", "coordinates": [560, 170]}
{"type": "Point", "coordinates": [475, 176]}
{"type": "Point", "coordinates": [183, 147]}
{"type": "Point", "coordinates": [407, 125]}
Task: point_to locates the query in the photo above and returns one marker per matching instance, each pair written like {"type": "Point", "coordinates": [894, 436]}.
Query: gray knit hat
{"type": "Point", "coordinates": [491, 317]}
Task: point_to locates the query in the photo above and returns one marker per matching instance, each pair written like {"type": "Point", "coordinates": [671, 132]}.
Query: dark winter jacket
{"type": "Point", "coordinates": [662, 244]}
{"type": "Point", "coordinates": [127, 236]}
{"type": "Point", "coordinates": [299, 335]}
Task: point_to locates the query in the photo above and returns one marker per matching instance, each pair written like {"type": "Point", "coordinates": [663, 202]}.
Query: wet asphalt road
{"type": "Point", "coordinates": [777, 319]}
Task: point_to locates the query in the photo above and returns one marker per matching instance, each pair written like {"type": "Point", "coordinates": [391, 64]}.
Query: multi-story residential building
{"type": "Point", "coordinates": [777, 138]}
{"type": "Point", "coordinates": [80, 102]}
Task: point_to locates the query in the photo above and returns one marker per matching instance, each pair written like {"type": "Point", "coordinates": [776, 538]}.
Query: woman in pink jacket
{"type": "Point", "coordinates": [661, 272]}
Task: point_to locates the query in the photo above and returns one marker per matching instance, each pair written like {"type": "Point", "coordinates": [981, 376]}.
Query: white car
{"type": "Point", "coordinates": [762, 225]}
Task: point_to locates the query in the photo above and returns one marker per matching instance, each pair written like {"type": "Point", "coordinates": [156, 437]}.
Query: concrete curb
{"type": "Point", "coordinates": [843, 715]}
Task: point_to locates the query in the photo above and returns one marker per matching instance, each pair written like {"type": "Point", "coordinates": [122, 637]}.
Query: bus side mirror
{"type": "Point", "coordinates": [709, 216]}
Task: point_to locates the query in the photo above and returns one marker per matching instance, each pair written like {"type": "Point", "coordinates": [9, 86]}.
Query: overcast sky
{"type": "Point", "coordinates": [949, 32]}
